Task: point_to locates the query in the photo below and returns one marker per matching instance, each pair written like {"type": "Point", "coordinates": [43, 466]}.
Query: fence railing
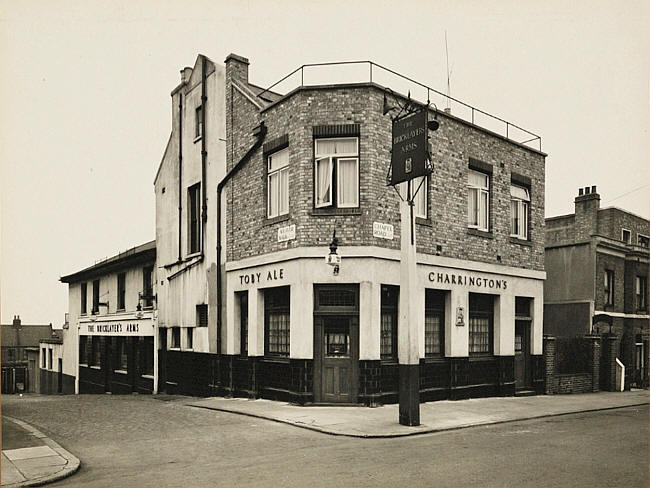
{"type": "Point", "coordinates": [369, 71]}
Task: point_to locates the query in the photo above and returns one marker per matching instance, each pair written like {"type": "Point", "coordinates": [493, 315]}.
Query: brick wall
{"type": "Point", "coordinates": [611, 221]}
{"type": "Point", "coordinates": [578, 382]}
{"type": "Point", "coordinates": [250, 233]}
{"type": "Point", "coordinates": [616, 264]}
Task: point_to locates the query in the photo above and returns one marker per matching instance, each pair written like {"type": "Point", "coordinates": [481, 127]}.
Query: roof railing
{"type": "Point", "coordinates": [501, 126]}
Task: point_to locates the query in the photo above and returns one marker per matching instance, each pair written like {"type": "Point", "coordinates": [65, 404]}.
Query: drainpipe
{"type": "Point", "coordinates": [180, 172]}
{"type": "Point", "coordinates": [260, 133]}
{"type": "Point", "coordinates": [204, 153]}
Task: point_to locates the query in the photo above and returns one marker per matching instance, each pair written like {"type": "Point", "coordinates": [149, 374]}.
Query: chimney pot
{"type": "Point", "coordinates": [586, 190]}
{"type": "Point", "coordinates": [580, 192]}
{"type": "Point", "coordinates": [593, 189]}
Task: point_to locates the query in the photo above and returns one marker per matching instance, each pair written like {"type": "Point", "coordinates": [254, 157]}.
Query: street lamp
{"type": "Point", "coordinates": [333, 259]}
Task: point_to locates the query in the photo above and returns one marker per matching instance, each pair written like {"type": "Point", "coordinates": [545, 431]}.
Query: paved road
{"type": "Point", "coordinates": [145, 441]}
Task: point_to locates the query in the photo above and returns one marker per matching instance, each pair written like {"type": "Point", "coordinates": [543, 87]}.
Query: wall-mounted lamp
{"type": "Point", "coordinates": [333, 259]}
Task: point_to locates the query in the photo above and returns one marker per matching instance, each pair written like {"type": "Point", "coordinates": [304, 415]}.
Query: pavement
{"type": "Point", "coordinates": [352, 421]}
{"type": "Point", "coordinates": [30, 458]}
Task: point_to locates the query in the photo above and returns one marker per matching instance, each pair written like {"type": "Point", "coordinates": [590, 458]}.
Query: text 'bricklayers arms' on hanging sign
{"type": "Point", "coordinates": [287, 233]}
{"type": "Point", "coordinates": [383, 231]}
{"type": "Point", "coordinates": [409, 154]}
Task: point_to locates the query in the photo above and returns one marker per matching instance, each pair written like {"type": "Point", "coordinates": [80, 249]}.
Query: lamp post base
{"type": "Point", "coordinates": [409, 394]}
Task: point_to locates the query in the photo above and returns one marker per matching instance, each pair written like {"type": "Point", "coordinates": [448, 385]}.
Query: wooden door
{"type": "Point", "coordinates": [522, 354]}
{"type": "Point", "coordinates": [336, 356]}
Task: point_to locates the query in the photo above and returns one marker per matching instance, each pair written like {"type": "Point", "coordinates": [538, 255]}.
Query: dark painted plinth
{"type": "Point", "coordinates": [409, 394]}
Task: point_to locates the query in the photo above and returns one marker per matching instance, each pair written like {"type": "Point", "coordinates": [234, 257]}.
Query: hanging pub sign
{"type": "Point", "coordinates": [409, 154]}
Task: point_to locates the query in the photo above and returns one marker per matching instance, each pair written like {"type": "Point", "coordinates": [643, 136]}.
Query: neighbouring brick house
{"type": "Point", "coordinates": [19, 371]}
{"type": "Point", "coordinates": [250, 190]}
{"type": "Point", "coordinates": [597, 281]}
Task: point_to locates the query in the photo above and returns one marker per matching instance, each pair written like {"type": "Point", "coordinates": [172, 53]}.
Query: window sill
{"type": "Point", "coordinates": [423, 221]}
{"type": "Point", "coordinates": [197, 139]}
{"type": "Point", "coordinates": [480, 356]}
{"type": "Point", "coordinates": [95, 367]}
{"type": "Point", "coordinates": [275, 220]}
{"type": "Point", "coordinates": [123, 309]}
{"type": "Point", "coordinates": [276, 359]}
{"type": "Point", "coordinates": [437, 358]}
{"type": "Point", "coordinates": [521, 242]}
{"type": "Point", "coordinates": [193, 255]}
{"type": "Point", "coordinates": [327, 211]}
{"type": "Point", "coordinates": [174, 349]}
{"type": "Point", "coordinates": [85, 365]}
{"type": "Point", "coordinates": [389, 361]}
{"type": "Point", "coordinates": [149, 377]}
{"type": "Point", "coordinates": [480, 233]}
{"type": "Point", "coordinates": [120, 371]}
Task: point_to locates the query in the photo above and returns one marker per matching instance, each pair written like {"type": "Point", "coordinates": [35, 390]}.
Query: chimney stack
{"type": "Point", "coordinates": [587, 204]}
{"type": "Point", "coordinates": [16, 322]}
{"type": "Point", "coordinates": [237, 67]}
{"type": "Point", "coordinates": [185, 74]}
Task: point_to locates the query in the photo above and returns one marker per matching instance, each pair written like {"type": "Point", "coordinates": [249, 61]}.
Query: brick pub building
{"type": "Point", "coordinates": [597, 265]}
{"type": "Point", "coordinates": [252, 186]}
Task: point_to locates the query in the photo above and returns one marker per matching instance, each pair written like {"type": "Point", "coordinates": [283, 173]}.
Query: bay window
{"type": "Point", "coordinates": [478, 201]}
{"type": "Point", "coordinates": [519, 203]}
{"type": "Point", "coordinates": [278, 183]}
{"type": "Point", "coordinates": [336, 173]}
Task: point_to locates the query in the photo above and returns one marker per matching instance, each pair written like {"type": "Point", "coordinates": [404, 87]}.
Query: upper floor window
{"type": "Point", "coordinates": [278, 183]}
{"type": "Point", "coordinates": [626, 236]}
{"type": "Point", "coordinates": [609, 287]}
{"type": "Point", "coordinates": [519, 203]}
{"type": "Point", "coordinates": [478, 201]}
{"type": "Point", "coordinates": [336, 173]}
{"type": "Point", "coordinates": [84, 298]}
{"type": "Point", "coordinates": [641, 289]}
{"type": "Point", "coordinates": [95, 309]}
{"type": "Point", "coordinates": [147, 286]}
{"type": "Point", "coordinates": [193, 218]}
{"type": "Point", "coordinates": [642, 240]}
{"type": "Point", "coordinates": [198, 122]}
{"type": "Point", "coordinates": [202, 315]}
{"type": "Point", "coordinates": [121, 291]}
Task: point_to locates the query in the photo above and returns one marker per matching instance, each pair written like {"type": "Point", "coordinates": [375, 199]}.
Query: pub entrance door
{"type": "Point", "coordinates": [522, 355]}
{"type": "Point", "coordinates": [336, 344]}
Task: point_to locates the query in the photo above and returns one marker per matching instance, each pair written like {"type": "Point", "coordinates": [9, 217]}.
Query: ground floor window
{"type": "Point", "coordinates": [388, 340]}
{"type": "Point", "coordinates": [434, 323]}
{"type": "Point", "coordinates": [44, 359]}
{"type": "Point", "coordinates": [145, 349]}
{"type": "Point", "coordinates": [83, 350]}
{"type": "Point", "coordinates": [242, 300]}
{"type": "Point", "coordinates": [122, 354]}
{"type": "Point", "coordinates": [481, 323]}
{"type": "Point", "coordinates": [276, 321]}
{"type": "Point", "coordinates": [190, 338]}
{"type": "Point", "coordinates": [96, 351]}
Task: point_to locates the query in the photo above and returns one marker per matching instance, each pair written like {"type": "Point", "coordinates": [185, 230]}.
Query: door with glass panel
{"type": "Point", "coordinates": [336, 345]}
{"type": "Point", "coordinates": [522, 354]}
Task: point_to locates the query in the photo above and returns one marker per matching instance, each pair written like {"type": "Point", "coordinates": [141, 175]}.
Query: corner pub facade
{"type": "Point", "coordinates": [251, 188]}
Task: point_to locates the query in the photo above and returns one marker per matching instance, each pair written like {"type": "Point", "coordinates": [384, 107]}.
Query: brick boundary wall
{"type": "Point", "coordinates": [587, 382]}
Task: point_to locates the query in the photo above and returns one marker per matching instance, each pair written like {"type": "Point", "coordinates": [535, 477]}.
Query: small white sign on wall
{"type": "Point", "coordinates": [383, 231]}
{"type": "Point", "coordinates": [287, 233]}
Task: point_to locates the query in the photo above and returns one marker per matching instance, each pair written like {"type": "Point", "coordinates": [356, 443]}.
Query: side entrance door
{"type": "Point", "coordinates": [522, 354]}
{"type": "Point", "coordinates": [336, 344]}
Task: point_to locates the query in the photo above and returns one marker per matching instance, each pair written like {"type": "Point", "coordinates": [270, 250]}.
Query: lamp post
{"type": "Point", "coordinates": [333, 258]}
{"type": "Point", "coordinates": [410, 159]}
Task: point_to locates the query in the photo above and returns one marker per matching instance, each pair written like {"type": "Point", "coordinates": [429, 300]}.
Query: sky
{"type": "Point", "coordinates": [86, 107]}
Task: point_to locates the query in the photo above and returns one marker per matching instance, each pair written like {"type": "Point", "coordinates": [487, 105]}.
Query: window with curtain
{"type": "Point", "coordinates": [421, 186]}
{"type": "Point", "coordinates": [122, 359]}
{"type": "Point", "coordinates": [641, 289]}
{"type": "Point", "coordinates": [276, 321]}
{"type": "Point", "coordinates": [336, 173]}
{"type": "Point", "coordinates": [519, 203]}
{"type": "Point", "coordinates": [434, 323]}
{"type": "Point", "coordinates": [278, 183]}
{"type": "Point", "coordinates": [481, 322]}
{"type": "Point", "coordinates": [389, 307]}
{"type": "Point", "coordinates": [478, 201]}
